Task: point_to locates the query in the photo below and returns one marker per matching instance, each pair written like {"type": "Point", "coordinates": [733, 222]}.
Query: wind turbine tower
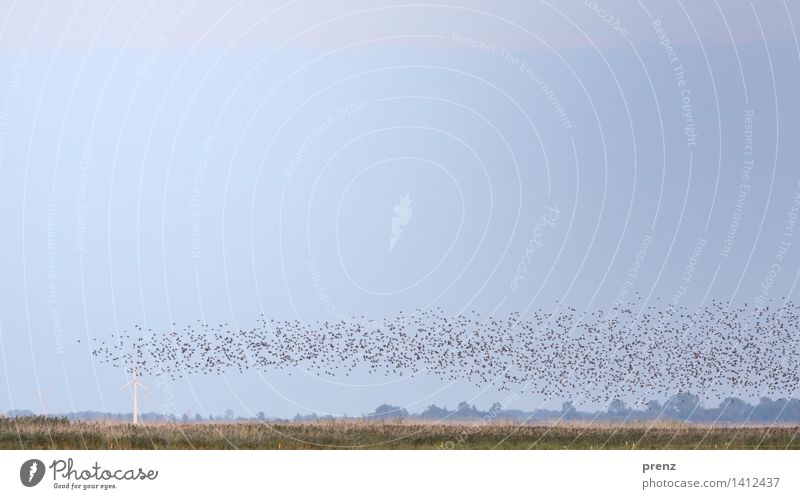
{"type": "Point", "coordinates": [135, 383]}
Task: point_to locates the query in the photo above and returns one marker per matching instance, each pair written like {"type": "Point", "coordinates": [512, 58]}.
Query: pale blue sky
{"type": "Point", "coordinates": [186, 160]}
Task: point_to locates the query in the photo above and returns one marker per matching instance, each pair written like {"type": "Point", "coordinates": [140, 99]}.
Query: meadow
{"type": "Point", "coordinates": [61, 433]}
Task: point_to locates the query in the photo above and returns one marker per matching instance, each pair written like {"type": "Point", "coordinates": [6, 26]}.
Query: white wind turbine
{"type": "Point", "coordinates": [136, 384]}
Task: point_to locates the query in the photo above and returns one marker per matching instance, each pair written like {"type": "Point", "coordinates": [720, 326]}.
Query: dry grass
{"type": "Point", "coordinates": [51, 433]}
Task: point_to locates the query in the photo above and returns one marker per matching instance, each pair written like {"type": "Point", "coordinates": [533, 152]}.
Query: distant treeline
{"type": "Point", "coordinates": [682, 407]}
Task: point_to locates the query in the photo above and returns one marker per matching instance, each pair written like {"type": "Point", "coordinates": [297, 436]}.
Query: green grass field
{"type": "Point", "coordinates": [50, 433]}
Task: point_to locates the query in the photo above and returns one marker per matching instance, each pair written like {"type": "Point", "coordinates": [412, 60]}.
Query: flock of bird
{"type": "Point", "coordinates": [626, 350]}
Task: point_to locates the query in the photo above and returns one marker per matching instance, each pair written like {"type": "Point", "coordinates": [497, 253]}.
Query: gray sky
{"type": "Point", "coordinates": [184, 160]}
